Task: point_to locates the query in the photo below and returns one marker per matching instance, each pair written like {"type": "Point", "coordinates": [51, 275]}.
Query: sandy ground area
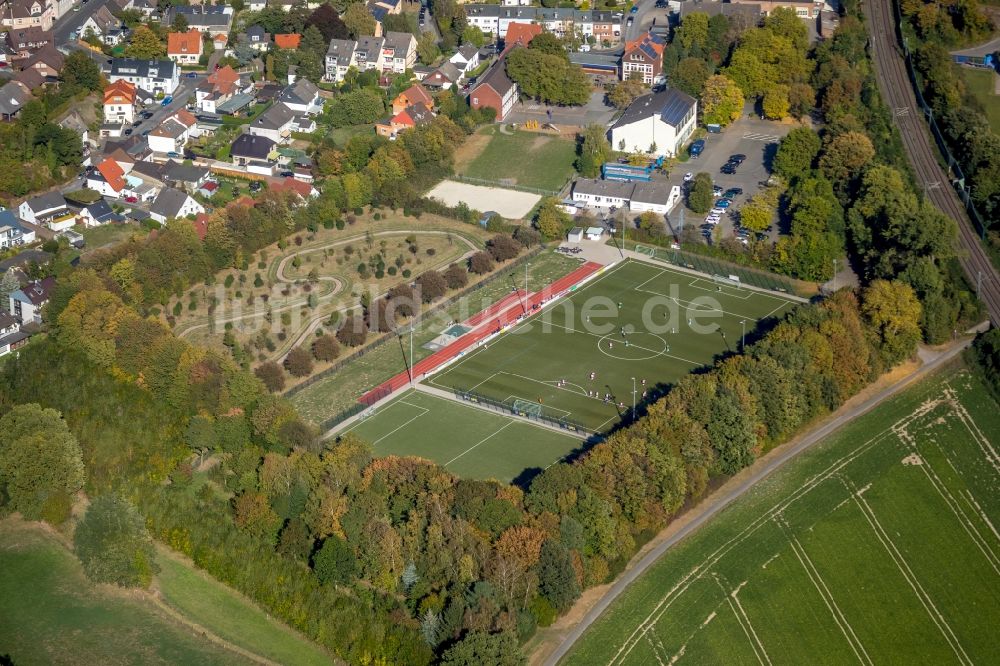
{"type": "Point", "coordinates": [511, 204]}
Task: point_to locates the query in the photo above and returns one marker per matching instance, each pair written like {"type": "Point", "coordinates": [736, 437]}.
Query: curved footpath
{"type": "Point", "coordinates": [736, 487]}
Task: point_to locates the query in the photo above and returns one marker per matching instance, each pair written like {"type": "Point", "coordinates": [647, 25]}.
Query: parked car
{"type": "Point", "coordinates": [696, 148]}
{"type": "Point", "coordinates": [192, 75]}
{"type": "Point", "coordinates": [132, 199]}
{"type": "Point", "coordinates": [728, 168]}
{"type": "Point", "coordinates": [634, 10]}
{"type": "Point", "coordinates": [738, 159]}
{"type": "Point", "coordinates": [172, 154]}
{"type": "Point", "coordinates": [630, 21]}
{"type": "Point", "coordinates": [716, 191]}
{"type": "Point", "coordinates": [732, 192]}
{"type": "Point", "coordinates": [128, 131]}
{"type": "Point", "coordinates": [723, 203]}
{"type": "Point", "coordinates": [287, 174]}
{"type": "Point", "coordinates": [688, 176]}
{"type": "Point", "coordinates": [167, 100]}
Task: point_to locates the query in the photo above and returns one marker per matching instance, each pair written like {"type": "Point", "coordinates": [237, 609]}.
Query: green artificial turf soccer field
{"type": "Point", "coordinates": [674, 323]}
{"type": "Point", "coordinates": [878, 546]}
{"type": "Point", "coordinates": [468, 441]}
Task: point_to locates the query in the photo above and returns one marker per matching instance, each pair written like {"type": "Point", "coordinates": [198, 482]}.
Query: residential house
{"type": "Point", "coordinates": [13, 96]}
{"type": "Point", "coordinates": [466, 58]}
{"type": "Point", "coordinates": [185, 177]}
{"type": "Point", "coordinates": [107, 178]}
{"type": "Point", "coordinates": [339, 58]}
{"type": "Point", "coordinates": [289, 184]}
{"type": "Point", "coordinates": [184, 48]}
{"type": "Point", "coordinates": [804, 9]}
{"type": "Point", "coordinates": [172, 203]}
{"type": "Point", "coordinates": [495, 90]}
{"type": "Point", "coordinates": [45, 209]}
{"type": "Point", "coordinates": [74, 121]}
{"type": "Point", "coordinates": [644, 57]}
{"type": "Point", "coordinates": [288, 41]}
{"type": "Point", "coordinates": [207, 190]}
{"type": "Point", "coordinates": [602, 25]}
{"type": "Point", "coordinates": [656, 124]}
{"type": "Point", "coordinates": [119, 102]}
{"type": "Point", "coordinates": [520, 34]}
{"type": "Point", "coordinates": [255, 153]}
{"type": "Point", "coordinates": [213, 19]}
{"type": "Point", "coordinates": [11, 335]}
{"type": "Point", "coordinates": [153, 76]}
{"type": "Point", "coordinates": [370, 54]}
{"type": "Point", "coordinates": [399, 52]}
{"type": "Point", "coordinates": [31, 79]}
{"type": "Point", "coordinates": [19, 14]}
{"type": "Point", "coordinates": [301, 97]}
{"type": "Point", "coordinates": [23, 42]}
{"type": "Point", "coordinates": [147, 8]}
{"type": "Point", "coordinates": [602, 193]}
{"type": "Point", "coordinates": [27, 302]}
{"type": "Point", "coordinates": [217, 88]}
{"type": "Point", "coordinates": [12, 232]}
{"type": "Point", "coordinates": [275, 123]}
{"type": "Point", "coordinates": [173, 133]}
{"type": "Point", "coordinates": [413, 95]}
{"type": "Point", "coordinates": [46, 61]}
{"type": "Point", "coordinates": [98, 213]}
{"type": "Point", "coordinates": [103, 25]}
{"type": "Point", "coordinates": [418, 114]}
{"type": "Point", "coordinates": [382, 8]}
{"type": "Point", "coordinates": [220, 42]}
{"type": "Point", "coordinates": [256, 38]}
{"type": "Point", "coordinates": [444, 77]}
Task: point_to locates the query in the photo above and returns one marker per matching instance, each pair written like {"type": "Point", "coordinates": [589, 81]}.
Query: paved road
{"type": "Point", "coordinates": [894, 83]}
{"type": "Point", "coordinates": [71, 21]}
{"type": "Point", "coordinates": [713, 505]}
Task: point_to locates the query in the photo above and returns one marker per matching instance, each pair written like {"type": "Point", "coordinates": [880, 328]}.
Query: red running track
{"type": "Point", "coordinates": [490, 324]}
{"type": "Point", "coordinates": [495, 309]}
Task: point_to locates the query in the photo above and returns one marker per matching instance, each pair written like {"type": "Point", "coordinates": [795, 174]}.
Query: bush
{"type": "Point", "coordinates": [353, 332]}
{"type": "Point", "coordinates": [228, 282]}
{"type": "Point", "coordinates": [178, 309]}
{"type": "Point", "coordinates": [326, 348]}
{"type": "Point", "coordinates": [113, 544]}
{"type": "Point", "coordinates": [481, 263]}
{"type": "Point", "coordinates": [340, 225]}
{"type": "Point", "coordinates": [503, 247]}
{"type": "Point", "coordinates": [456, 276]}
{"type": "Point", "coordinates": [407, 273]}
{"type": "Point", "coordinates": [299, 362]}
{"type": "Point", "coordinates": [527, 236]}
{"type": "Point", "coordinates": [272, 375]}
{"type": "Point", "coordinates": [431, 286]}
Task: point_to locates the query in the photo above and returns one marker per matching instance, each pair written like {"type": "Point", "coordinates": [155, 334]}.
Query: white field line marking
{"type": "Point", "coordinates": [456, 401]}
{"type": "Point", "coordinates": [742, 294]}
{"type": "Point", "coordinates": [682, 585]}
{"type": "Point", "coordinates": [825, 594]}
{"type": "Point", "coordinates": [651, 351]}
{"type": "Point", "coordinates": [982, 514]}
{"type": "Point", "coordinates": [741, 617]}
{"type": "Point", "coordinates": [774, 310]}
{"type": "Point", "coordinates": [532, 402]}
{"type": "Point", "coordinates": [400, 427]}
{"type": "Point", "coordinates": [956, 508]}
{"type": "Point", "coordinates": [984, 444]}
{"type": "Point", "coordinates": [690, 305]}
{"type": "Point", "coordinates": [503, 427]}
{"type": "Point", "coordinates": [904, 569]}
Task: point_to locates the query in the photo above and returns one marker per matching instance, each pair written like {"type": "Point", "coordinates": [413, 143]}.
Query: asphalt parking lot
{"type": "Point", "coordinates": [758, 140]}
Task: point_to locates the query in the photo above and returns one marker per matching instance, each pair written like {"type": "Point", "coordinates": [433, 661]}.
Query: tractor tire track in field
{"type": "Point", "coordinates": [731, 491]}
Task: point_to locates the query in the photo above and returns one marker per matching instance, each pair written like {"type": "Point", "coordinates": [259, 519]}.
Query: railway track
{"type": "Point", "coordinates": [894, 83]}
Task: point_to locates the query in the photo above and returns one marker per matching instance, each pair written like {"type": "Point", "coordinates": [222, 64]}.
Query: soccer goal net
{"type": "Point", "coordinates": [646, 250]}
{"type": "Point", "coordinates": [366, 413]}
{"type": "Point", "coordinates": [526, 407]}
{"type": "Point", "coordinates": [731, 281]}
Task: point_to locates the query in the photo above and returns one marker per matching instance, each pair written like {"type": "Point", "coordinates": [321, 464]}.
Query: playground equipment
{"type": "Point", "coordinates": [619, 171]}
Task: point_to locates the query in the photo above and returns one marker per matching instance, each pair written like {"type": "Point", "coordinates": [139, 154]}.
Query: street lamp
{"type": "Point", "coordinates": [743, 334]}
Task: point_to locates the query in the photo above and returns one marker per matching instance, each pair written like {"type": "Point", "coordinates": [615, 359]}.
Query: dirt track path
{"type": "Point", "coordinates": [553, 647]}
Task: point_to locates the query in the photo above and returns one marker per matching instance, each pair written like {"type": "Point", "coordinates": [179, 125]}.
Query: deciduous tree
{"type": "Point", "coordinates": [722, 100]}
{"type": "Point", "coordinates": [113, 544]}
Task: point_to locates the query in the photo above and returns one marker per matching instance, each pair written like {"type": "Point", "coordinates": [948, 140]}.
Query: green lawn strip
{"type": "Point", "coordinates": [531, 159]}
{"type": "Point", "coordinates": [51, 614]}
{"type": "Point", "coordinates": [336, 392]}
{"type": "Point", "coordinates": [224, 612]}
{"type": "Point", "coordinates": [530, 361]}
{"type": "Point", "coordinates": [981, 85]}
{"type": "Point", "coordinates": [479, 444]}
{"type": "Point", "coordinates": [107, 234]}
{"type": "Point", "coordinates": [845, 550]}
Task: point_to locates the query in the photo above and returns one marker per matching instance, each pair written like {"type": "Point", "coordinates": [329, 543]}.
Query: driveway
{"type": "Point", "coordinates": [594, 112]}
